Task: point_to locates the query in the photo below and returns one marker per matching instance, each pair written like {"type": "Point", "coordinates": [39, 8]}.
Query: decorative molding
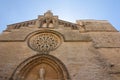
{"type": "Point", "coordinates": [44, 41]}
{"type": "Point", "coordinates": [21, 24]}
{"type": "Point", "coordinates": [23, 69]}
{"type": "Point", "coordinates": [73, 26]}
{"type": "Point", "coordinates": [48, 20]}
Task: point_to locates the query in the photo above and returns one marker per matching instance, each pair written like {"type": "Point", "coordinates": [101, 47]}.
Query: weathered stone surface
{"type": "Point", "coordinates": [88, 50]}
{"type": "Point", "coordinates": [106, 40]}
{"type": "Point", "coordinates": [21, 34]}
{"type": "Point", "coordinates": [96, 26]}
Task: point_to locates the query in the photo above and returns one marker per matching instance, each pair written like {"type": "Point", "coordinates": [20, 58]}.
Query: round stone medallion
{"type": "Point", "coordinates": [44, 42]}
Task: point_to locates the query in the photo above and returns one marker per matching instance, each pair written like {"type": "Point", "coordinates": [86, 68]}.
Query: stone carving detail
{"type": "Point", "coordinates": [48, 20]}
{"type": "Point", "coordinates": [22, 24]}
{"type": "Point", "coordinates": [42, 74]}
{"type": "Point", "coordinates": [44, 42]}
{"type": "Point", "coordinates": [41, 67]}
{"type": "Point", "coordinates": [68, 24]}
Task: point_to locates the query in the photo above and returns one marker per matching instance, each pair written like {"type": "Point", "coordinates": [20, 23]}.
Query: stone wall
{"type": "Point", "coordinates": [89, 49]}
{"type": "Point", "coordinates": [82, 60]}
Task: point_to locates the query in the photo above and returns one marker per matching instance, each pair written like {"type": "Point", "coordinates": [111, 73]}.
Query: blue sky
{"type": "Point", "coordinates": [14, 11]}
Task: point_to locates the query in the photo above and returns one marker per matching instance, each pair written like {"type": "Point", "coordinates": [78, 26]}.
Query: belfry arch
{"type": "Point", "coordinates": [41, 67]}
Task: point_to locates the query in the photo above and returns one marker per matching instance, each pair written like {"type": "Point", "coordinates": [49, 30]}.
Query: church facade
{"type": "Point", "coordinates": [48, 48]}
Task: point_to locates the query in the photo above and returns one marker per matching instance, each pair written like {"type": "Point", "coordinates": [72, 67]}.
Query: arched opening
{"type": "Point", "coordinates": [41, 67]}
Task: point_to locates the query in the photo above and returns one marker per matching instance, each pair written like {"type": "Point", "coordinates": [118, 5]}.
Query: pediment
{"type": "Point", "coordinates": [50, 21]}
{"type": "Point", "coordinates": [44, 21]}
{"type": "Point", "coordinates": [79, 31]}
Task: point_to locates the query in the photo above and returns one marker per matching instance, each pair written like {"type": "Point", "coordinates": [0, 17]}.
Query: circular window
{"type": "Point", "coordinates": [44, 42]}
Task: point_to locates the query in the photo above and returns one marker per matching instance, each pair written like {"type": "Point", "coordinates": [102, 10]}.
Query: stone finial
{"type": "Point", "coordinates": [48, 14]}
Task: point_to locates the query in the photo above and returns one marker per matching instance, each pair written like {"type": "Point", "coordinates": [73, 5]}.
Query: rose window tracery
{"type": "Point", "coordinates": [44, 42]}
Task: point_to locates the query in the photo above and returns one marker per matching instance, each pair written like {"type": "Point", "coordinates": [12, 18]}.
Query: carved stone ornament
{"type": "Point", "coordinates": [44, 42]}
{"type": "Point", "coordinates": [41, 67]}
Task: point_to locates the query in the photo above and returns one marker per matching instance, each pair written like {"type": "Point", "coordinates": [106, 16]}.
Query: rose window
{"type": "Point", "coordinates": [44, 42]}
